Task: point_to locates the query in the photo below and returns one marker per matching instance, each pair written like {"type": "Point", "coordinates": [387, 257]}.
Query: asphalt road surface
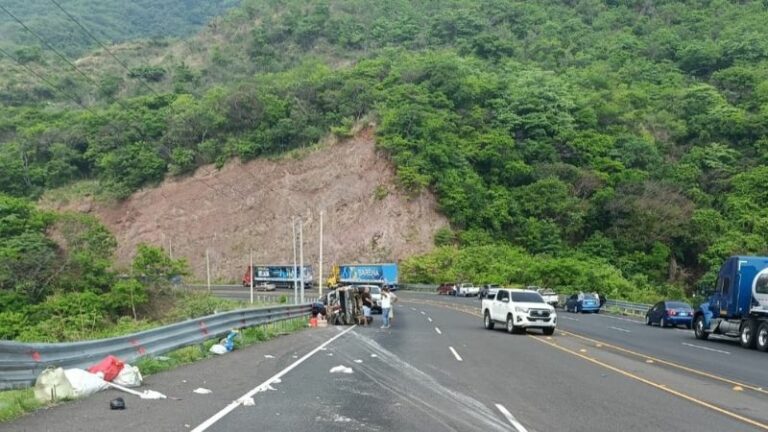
{"type": "Point", "coordinates": [437, 369]}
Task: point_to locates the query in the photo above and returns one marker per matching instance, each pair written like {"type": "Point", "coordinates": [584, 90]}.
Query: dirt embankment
{"type": "Point", "coordinates": [249, 206]}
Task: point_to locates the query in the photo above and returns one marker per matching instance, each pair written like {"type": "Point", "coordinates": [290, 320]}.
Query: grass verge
{"type": "Point", "coordinates": [15, 403]}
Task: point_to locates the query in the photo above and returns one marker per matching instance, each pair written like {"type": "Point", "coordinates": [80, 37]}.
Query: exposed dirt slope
{"type": "Point", "coordinates": [249, 206]}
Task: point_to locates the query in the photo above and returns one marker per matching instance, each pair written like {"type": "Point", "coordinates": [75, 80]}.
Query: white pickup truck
{"type": "Point", "coordinates": [550, 296]}
{"type": "Point", "coordinates": [467, 289]}
{"type": "Point", "coordinates": [519, 310]}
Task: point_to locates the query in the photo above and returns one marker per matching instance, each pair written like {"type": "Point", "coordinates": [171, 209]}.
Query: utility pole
{"type": "Point", "coordinates": [301, 256]}
{"type": "Point", "coordinates": [295, 280]}
{"type": "Point", "coordinates": [208, 269]}
{"type": "Point", "coordinates": [170, 248]}
{"type": "Point", "coordinates": [320, 276]}
{"type": "Point", "coordinates": [251, 267]}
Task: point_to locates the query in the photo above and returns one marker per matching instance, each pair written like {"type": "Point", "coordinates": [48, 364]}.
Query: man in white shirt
{"type": "Point", "coordinates": [386, 304]}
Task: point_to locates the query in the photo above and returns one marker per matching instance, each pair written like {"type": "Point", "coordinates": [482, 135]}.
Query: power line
{"type": "Point", "coordinates": [49, 83]}
{"type": "Point", "coordinates": [85, 30]}
{"type": "Point", "coordinates": [58, 53]}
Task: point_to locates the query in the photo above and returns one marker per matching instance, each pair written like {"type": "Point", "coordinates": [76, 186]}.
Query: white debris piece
{"type": "Point", "coordinates": [277, 381]}
{"type": "Point", "coordinates": [341, 419]}
{"type": "Point", "coordinates": [201, 390]}
{"type": "Point", "coordinates": [358, 361]}
{"type": "Point", "coordinates": [341, 369]}
{"type": "Point", "coordinates": [374, 355]}
{"type": "Point", "coordinates": [330, 354]}
{"type": "Point", "coordinates": [248, 402]}
{"type": "Point", "coordinates": [269, 356]}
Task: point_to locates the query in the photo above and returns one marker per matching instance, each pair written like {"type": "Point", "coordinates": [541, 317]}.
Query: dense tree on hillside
{"type": "Point", "coordinates": [626, 132]}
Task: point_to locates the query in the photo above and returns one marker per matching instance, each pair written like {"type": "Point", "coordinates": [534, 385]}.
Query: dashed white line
{"type": "Point", "coordinates": [620, 329]}
{"type": "Point", "coordinates": [567, 318]}
{"type": "Point", "coordinates": [455, 354]}
{"type": "Point", "coordinates": [437, 329]}
{"type": "Point", "coordinates": [706, 348]}
{"type": "Point", "coordinates": [516, 424]}
{"type": "Point", "coordinates": [429, 319]}
{"type": "Point", "coordinates": [423, 313]}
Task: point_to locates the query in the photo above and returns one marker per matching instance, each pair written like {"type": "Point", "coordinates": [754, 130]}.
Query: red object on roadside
{"type": "Point", "coordinates": [109, 367]}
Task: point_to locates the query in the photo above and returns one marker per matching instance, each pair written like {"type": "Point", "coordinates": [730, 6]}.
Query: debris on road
{"type": "Point", "coordinates": [358, 361]}
{"type": "Point", "coordinates": [117, 404]}
{"type": "Point", "coordinates": [52, 385]}
{"type": "Point", "coordinates": [248, 402]}
{"type": "Point", "coordinates": [269, 356]}
{"type": "Point", "coordinates": [146, 394]}
{"type": "Point", "coordinates": [341, 369]}
{"type": "Point", "coordinates": [201, 390]}
{"type": "Point", "coordinates": [218, 349]}
{"type": "Point", "coordinates": [130, 376]}
{"type": "Point", "coordinates": [374, 355]}
{"type": "Point", "coordinates": [84, 383]}
{"type": "Point", "coordinates": [108, 368]}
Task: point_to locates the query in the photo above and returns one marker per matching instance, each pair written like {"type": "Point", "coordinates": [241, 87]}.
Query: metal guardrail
{"type": "Point", "coordinates": [418, 287]}
{"type": "Point", "coordinates": [629, 307]}
{"type": "Point", "coordinates": [21, 363]}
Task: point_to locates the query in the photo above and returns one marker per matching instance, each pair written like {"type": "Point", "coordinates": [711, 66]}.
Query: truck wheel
{"type": "Point", "coordinates": [762, 337]}
{"type": "Point", "coordinates": [698, 328]}
{"type": "Point", "coordinates": [511, 327]}
{"type": "Point", "coordinates": [549, 331]}
{"type": "Point", "coordinates": [747, 334]}
{"type": "Point", "coordinates": [488, 321]}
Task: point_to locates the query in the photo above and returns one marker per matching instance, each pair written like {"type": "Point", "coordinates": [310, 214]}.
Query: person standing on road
{"type": "Point", "coordinates": [386, 305]}
{"type": "Point", "coordinates": [392, 301]}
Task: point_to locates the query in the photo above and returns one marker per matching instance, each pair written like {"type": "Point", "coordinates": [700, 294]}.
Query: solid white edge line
{"type": "Point", "coordinates": [455, 354]}
{"type": "Point", "coordinates": [437, 329]}
{"type": "Point", "coordinates": [226, 410]}
{"type": "Point", "coordinates": [706, 348]}
{"type": "Point", "coordinates": [511, 418]}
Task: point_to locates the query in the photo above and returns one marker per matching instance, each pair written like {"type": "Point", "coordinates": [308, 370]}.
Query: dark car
{"type": "Point", "coordinates": [447, 289]}
{"type": "Point", "coordinates": [670, 313]}
{"type": "Point", "coordinates": [487, 291]}
{"type": "Point", "coordinates": [583, 303]}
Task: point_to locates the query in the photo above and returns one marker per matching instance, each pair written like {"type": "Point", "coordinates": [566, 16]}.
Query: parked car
{"type": "Point", "coordinates": [467, 290]}
{"type": "Point", "coordinates": [488, 291]}
{"type": "Point", "coordinates": [582, 303]}
{"type": "Point", "coordinates": [670, 313]}
{"type": "Point", "coordinates": [549, 295]}
{"type": "Point", "coordinates": [447, 289]}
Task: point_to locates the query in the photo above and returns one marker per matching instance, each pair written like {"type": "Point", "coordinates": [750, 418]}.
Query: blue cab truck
{"type": "Point", "coordinates": [739, 305]}
{"type": "Point", "coordinates": [373, 274]}
{"type": "Point", "coordinates": [280, 275]}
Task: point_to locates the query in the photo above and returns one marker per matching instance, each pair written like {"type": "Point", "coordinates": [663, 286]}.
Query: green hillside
{"type": "Point", "coordinates": [109, 20]}
{"type": "Point", "coordinates": [621, 144]}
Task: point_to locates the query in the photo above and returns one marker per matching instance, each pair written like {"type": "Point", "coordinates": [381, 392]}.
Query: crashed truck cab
{"type": "Point", "coordinates": [344, 305]}
{"type": "Point", "coordinates": [738, 307]}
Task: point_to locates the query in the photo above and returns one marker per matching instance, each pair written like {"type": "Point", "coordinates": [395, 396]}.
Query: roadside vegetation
{"type": "Point", "coordinates": [607, 143]}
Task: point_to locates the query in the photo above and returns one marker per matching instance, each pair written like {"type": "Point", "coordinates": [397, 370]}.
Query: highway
{"type": "Point", "coordinates": [438, 369]}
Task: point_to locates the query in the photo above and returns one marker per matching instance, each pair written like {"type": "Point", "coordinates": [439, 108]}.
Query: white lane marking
{"type": "Point", "coordinates": [455, 354]}
{"type": "Point", "coordinates": [429, 319]}
{"type": "Point", "coordinates": [567, 318]}
{"type": "Point", "coordinates": [620, 329]}
{"type": "Point", "coordinates": [706, 348]}
{"type": "Point", "coordinates": [423, 313]}
{"type": "Point", "coordinates": [633, 321]}
{"type": "Point", "coordinates": [517, 425]}
{"type": "Point", "coordinates": [266, 384]}
{"type": "Point", "coordinates": [437, 329]}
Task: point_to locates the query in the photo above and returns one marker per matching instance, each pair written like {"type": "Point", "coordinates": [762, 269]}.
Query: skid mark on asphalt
{"type": "Point", "coordinates": [454, 410]}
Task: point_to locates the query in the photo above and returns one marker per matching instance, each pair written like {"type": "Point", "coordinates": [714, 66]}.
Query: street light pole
{"type": "Point", "coordinates": [301, 257]}
{"type": "Point", "coordinates": [295, 280]}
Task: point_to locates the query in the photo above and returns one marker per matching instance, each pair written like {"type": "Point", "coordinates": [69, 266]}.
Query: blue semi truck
{"type": "Point", "coordinates": [364, 274]}
{"type": "Point", "coordinates": [739, 305]}
{"type": "Point", "coordinates": [279, 275]}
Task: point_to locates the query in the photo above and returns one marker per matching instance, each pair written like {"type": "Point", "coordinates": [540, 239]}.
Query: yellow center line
{"type": "Point", "coordinates": [657, 386]}
{"type": "Point", "coordinates": [668, 363]}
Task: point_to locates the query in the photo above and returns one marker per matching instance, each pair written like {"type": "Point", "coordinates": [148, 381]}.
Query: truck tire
{"type": "Point", "coordinates": [487, 321]}
{"type": "Point", "coordinates": [549, 331]}
{"type": "Point", "coordinates": [761, 341]}
{"type": "Point", "coordinates": [698, 328]}
{"type": "Point", "coordinates": [747, 333]}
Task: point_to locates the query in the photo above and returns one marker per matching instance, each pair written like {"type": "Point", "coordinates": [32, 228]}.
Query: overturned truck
{"type": "Point", "coordinates": [344, 305]}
